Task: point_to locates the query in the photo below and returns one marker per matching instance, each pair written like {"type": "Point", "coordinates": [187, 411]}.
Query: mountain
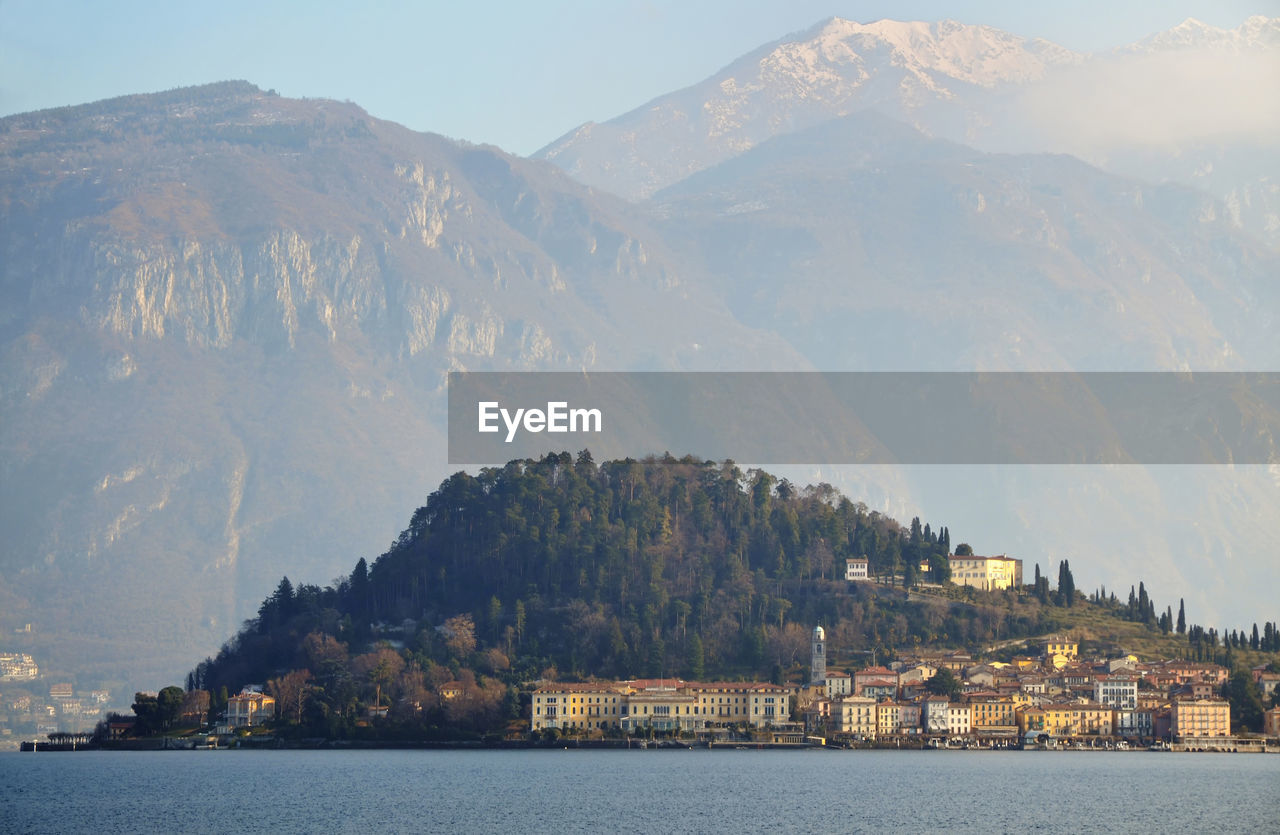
{"type": "Point", "coordinates": [870, 245]}
{"type": "Point", "coordinates": [835, 68]}
{"type": "Point", "coordinates": [1257, 32]}
{"type": "Point", "coordinates": [870, 249]}
{"type": "Point", "coordinates": [226, 317]}
{"type": "Point", "coordinates": [1195, 105]}
{"type": "Point", "coordinates": [225, 321]}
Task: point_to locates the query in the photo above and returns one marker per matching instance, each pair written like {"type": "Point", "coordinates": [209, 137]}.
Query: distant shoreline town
{"type": "Point", "coordinates": [931, 699]}
{"type": "Point", "coordinates": [1057, 699]}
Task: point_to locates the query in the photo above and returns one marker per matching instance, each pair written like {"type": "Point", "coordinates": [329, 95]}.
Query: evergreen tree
{"type": "Point", "coordinates": [697, 663]}
{"type": "Point", "coordinates": [1182, 617]}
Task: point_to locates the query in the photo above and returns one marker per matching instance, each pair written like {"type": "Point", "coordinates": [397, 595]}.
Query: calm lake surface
{"type": "Point", "coordinates": [638, 791]}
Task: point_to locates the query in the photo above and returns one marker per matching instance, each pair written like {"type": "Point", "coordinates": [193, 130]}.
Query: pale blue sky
{"type": "Point", "coordinates": [514, 74]}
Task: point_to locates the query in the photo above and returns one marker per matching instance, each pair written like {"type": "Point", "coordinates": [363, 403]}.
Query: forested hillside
{"type": "Point", "coordinates": [560, 567]}
{"type": "Point", "coordinates": [629, 568]}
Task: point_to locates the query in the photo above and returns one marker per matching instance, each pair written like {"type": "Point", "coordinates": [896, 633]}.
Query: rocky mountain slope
{"type": "Point", "coordinates": [225, 320]}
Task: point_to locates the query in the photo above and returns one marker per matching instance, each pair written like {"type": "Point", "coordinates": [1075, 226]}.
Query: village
{"type": "Point", "coordinates": [27, 707]}
{"type": "Point", "coordinates": [1055, 699]}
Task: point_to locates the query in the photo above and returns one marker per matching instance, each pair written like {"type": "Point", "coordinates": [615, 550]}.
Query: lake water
{"type": "Point", "coordinates": [638, 791]}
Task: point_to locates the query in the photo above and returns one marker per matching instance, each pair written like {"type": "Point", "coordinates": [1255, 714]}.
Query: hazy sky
{"type": "Point", "coordinates": [515, 74]}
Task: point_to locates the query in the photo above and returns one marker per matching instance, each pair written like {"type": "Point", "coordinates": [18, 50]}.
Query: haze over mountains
{"type": "Point", "coordinates": [1196, 104]}
{"type": "Point", "coordinates": [225, 316]}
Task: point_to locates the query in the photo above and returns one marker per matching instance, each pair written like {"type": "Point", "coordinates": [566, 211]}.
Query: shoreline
{"type": "Point", "coordinates": [1231, 745]}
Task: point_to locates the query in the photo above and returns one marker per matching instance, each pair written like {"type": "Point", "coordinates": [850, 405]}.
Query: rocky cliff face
{"type": "Point", "coordinates": [226, 320]}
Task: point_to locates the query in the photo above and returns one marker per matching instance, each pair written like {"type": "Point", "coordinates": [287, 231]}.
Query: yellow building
{"type": "Point", "coordinates": [1062, 646]}
{"type": "Point", "coordinates": [1200, 718]}
{"type": "Point", "coordinates": [992, 714]}
{"type": "Point", "coordinates": [888, 718]}
{"type": "Point", "coordinates": [856, 716]}
{"type": "Point", "coordinates": [593, 706]}
{"type": "Point", "coordinates": [662, 704]}
{"type": "Point", "coordinates": [248, 708]}
{"type": "Point", "coordinates": [735, 702]}
{"type": "Point", "coordinates": [1067, 719]}
{"type": "Point", "coordinates": [987, 573]}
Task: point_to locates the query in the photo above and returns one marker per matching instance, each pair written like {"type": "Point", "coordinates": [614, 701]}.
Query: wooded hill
{"type": "Point", "coordinates": [658, 567]}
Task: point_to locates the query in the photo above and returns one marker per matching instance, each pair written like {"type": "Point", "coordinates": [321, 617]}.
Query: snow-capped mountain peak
{"type": "Point", "coordinates": [833, 69]}
{"type": "Point", "coordinates": [1257, 32]}
{"type": "Point", "coordinates": [981, 55]}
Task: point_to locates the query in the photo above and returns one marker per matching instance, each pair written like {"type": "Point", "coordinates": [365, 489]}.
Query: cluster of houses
{"type": "Point", "coordinates": [18, 666]}
{"type": "Point", "coordinates": [1053, 695]}
{"type": "Point", "coordinates": [26, 709]}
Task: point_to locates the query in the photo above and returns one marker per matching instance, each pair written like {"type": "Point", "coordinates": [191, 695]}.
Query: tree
{"type": "Point", "coordinates": [170, 705]}
{"type": "Point", "coordinates": [147, 710]}
{"type": "Point", "coordinates": [964, 549]}
{"type": "Point", "coordinates": [290, 693]}
{"type": "Point", "coordinates": [157, 713]}
{"type": "Point", "coordinates": [495, 617]}
{"type": "Point", "coordinates": [910, 574]}
{"type": "Point", "coordinates": [944, 683]}
{"type": "Point", "coordinates": [697, 662]}
{"type": "Point", "coordinates": [1242, 693]}
{"type": "Point", "coordinates": [520, 617]}
{"type": "Point", "coordinates": [1182, 617]}
{"type": "Point", "coordinates": [1066, 585]}
{"type": "Point", "coordinates": [380, 667]}
{"type": "Point", "coordinates": [460, 635]}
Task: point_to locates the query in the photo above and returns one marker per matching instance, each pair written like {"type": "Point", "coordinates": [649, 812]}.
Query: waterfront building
{"type": "Point", "coordinates": [959, 718]}
{"type": "Point", "coordinates": [577, 706]}
{"type": "Point", "coordinates": [1067, 719]}
{"type": "Point", "coordinates": [909, 717]}
{"type": "Point", "coordinates": [993, 715]}
{"type": "Point", "coordinates": [888, 719]}
{"type": "Point", "coordinates": [661, 704]}
{"type": "Point", "coordinates": [933, 714]}
{"type": "Point", "coordinates": [1199, 719]}
{"type": "Point", "coordinates": [855, 716]}
{"type": "Point", "coordinates": [248, 708]}
{"type": "Point", "coordinates": [1138, 722]}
